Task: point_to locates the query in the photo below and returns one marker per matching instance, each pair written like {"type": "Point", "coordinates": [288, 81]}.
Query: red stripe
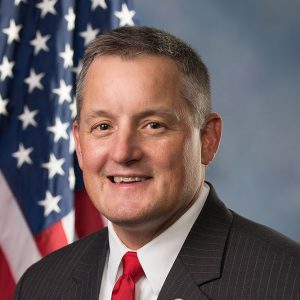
{"type": "Point", "coordinates": [51, 239]}
{"type": "Point", "coordinates": [87, 217]}
{"type": "Point", "coordinates": [7, 283]}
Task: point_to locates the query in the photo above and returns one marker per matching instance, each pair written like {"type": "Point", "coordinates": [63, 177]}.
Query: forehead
{"type": "Point", "coordinates": [144, 79]}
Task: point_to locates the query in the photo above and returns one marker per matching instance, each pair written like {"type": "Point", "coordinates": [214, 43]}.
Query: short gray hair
{"type": "Point", "coordinates": [129, 42]}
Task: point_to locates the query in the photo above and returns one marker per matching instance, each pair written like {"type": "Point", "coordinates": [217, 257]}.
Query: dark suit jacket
{"type": "Point", "coordinates": [225, 256]}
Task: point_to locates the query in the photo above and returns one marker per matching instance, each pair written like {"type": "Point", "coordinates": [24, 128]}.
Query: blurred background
{"type": "Point", "coordinates": [252, 50]}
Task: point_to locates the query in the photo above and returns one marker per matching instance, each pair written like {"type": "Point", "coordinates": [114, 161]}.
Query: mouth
{"type": "Point", "coordinates": [127, 179]}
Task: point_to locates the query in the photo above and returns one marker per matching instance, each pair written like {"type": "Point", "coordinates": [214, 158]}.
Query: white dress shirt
{"type": "Point", "coordinates": [156, 257]}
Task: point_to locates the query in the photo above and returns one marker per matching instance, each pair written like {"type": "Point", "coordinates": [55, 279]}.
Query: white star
{"type": "Point", "coordinates": [70, 17]}
{"type": "Point", "coordinates": [47, 6]}
{"type": "Point", "coordinates": [27, 117]}
{"type": "Point", "coordinates": [39, 43]}
{"type": "Point", "coordinates": [72, 144]}
{"type": "Point", "coordinates": [96, 3]}
{"type": "Point", "coordinates": [22, 155]}
{"type": "Point", "coordinates": [54, 166]}
{"type": "Point", "coordinates": [12, 31]}
{"type": "Point", "coordinates": [3, 103]}
{"type": "Point", "coordinates": [89, 34]}
{"type": "Point", "coordinates": [72, 178]}
{"type": "Point", "coordinates": [34, 80]}
{"type": "Point", "coordinates": [50, 204]}
{"type": "Point", "coordinates": [77, 69]}
{"type": "Point", "coordinates": [63, 92]}
{"type": "Point", "coordinates": [125, 16]}
{"type": "Point", "coordinates": [17, 2]}
{"type": "Point", "coordinates": [73, 109]}
{"type": "Point", "coordinates": [67, 56]}
{"type": "Point", "coordinates": [6, 68]}
{"type": "Point", "coordinates": [59, 130]}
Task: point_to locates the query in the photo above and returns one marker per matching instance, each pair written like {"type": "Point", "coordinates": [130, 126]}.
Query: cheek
{"type": "Point", "coordinates": [184, 161]}
{"type": "Point", "coordinates": [93, 156]}
{"type": "Point", "coordinates": [166, 155]}
{"type": "Point", "coordinates": [169, 162]}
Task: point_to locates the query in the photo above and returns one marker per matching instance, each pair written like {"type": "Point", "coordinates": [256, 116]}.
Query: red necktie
{"type": "Point", "coordinates": [132, 272]}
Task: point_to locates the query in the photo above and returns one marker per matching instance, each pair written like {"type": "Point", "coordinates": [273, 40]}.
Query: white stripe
{"type": "Point", "coordinates": [16, 240]}
{"type": "Point", "coordinates": [68, 223]}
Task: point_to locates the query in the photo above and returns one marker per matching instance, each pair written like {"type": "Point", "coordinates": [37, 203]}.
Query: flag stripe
{"type": "Point", "coordinates": [7, 284]}
{"type": "Point", "coordinates": [15, 236]}
{"type": "Point", "coordinates": [51, 238]}
{"type": "Point", "coordinates": [68, 223]}
{"type": "Point", "coordinates": [88, 218]}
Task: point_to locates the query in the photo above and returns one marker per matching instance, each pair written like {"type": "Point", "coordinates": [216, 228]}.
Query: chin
{"type": "Point", "coordinates": [127, 216]}
{"type": "Point", "coordinates": [127, 222]}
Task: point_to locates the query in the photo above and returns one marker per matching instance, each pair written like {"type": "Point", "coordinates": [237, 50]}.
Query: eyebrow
{"type": "Point", "coordinates": [149, 112]}
{"type": "Point", "coordinates": [98, 113]}
{"type": "Point", "coordinates": [159, 112]}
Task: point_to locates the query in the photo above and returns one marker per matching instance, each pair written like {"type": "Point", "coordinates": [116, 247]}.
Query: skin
{"type": "Point", "coordinates": [134, 123]}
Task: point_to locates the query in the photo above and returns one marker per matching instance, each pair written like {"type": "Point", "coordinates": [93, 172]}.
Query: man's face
{"type": "Point", "coordinates": [137, 145]}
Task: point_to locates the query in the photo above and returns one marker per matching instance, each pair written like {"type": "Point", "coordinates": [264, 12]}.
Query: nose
{"type": "Point", "coordinates": [126, 147]}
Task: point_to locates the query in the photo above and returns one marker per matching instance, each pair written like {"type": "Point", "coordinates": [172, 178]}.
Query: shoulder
{"type": "Point", "coordinates": [75, 250]}
{"type": "Point", "coordinates": [244, 231]}
{"type": "Point", "coordinates": [55, 269]}
{"type": "Point", "coordinates": [258, 257]}
{"type": "Point", "coordinates": [264, 236]}
{"type": "Point", "coordinates": [257, 261]}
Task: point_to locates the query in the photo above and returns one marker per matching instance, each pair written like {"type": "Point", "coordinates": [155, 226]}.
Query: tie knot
{"type": "Point", "coordinates": [132, 266]}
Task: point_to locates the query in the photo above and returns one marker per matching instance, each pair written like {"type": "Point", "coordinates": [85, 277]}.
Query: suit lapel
{"type": "Point", "coordinates": [87, 275]}
{"type": "Point", "coordinates": [180, 285]}
{"type": "Point", "coordinates": [200, 259]}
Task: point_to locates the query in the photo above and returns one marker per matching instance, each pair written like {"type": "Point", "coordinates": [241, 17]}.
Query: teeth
{"type": "Point", "coordinates": [119, 179]}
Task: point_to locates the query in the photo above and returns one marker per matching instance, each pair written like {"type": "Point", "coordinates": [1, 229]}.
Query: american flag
{"type": "Point", "coordinates": [41, 47]}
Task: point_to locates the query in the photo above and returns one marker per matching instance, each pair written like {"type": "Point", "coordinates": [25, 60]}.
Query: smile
{"type": "Point", "coordinates": [127, 179]}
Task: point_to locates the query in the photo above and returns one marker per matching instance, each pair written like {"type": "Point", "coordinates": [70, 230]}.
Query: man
{"type": "Point", "coordinates": [144, 135]}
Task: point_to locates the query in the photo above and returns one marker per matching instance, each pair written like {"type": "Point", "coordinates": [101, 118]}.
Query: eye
{"type": "Point", "coordinates": [155, 125]}
{"type": "Point", "coordinates": [103, 126]}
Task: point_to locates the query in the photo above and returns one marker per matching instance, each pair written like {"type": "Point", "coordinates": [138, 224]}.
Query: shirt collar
{"type": "Point", "coordinates": [157, 257]}
{"type": "Point", "coordinates": [116, 251]}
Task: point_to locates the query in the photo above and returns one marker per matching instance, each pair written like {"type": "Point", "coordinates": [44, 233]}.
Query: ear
{"type": "Point", "coordinates": [75, 130]}
{"type": "Point", "coordinates": [210, 138]}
